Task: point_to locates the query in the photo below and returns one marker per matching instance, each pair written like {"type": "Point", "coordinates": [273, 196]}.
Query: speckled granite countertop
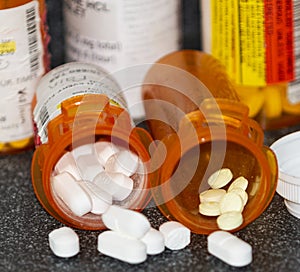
{"type": "Point", "coordinates": [24, 224]}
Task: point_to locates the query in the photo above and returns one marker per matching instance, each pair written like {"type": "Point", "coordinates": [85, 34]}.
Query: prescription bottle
{"type": "Point", "coordinates": [257, 42]}
{"type": "Point", "coordinates": [77, 104]}
{"type": "Point", "coordinates": [23, 60]}
{"type": "Point", "coordinates": [201, 126]}
{"type": "Point", "coordinates": [117, 34]}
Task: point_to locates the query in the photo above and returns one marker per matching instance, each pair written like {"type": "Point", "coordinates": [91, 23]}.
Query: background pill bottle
{"type": "Point", "coordinates": [77, 104]}
{"type": "Point", "coordinates": [257, 41]}
{"type": "Point", "coordinates": [201, 129]}
{"type": "Point", "coordinates": [117, 34]}
{"type": "Point", "coordinates": [23, 61]}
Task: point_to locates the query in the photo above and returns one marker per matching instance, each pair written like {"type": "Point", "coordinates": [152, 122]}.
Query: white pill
{"type": "Point", "coordinates": [68, 164]}
{"type": "Point", "coordinates": [154, 241]}
{"type": "Point", "coordinates": [122, 247]}
{"type": "Point", "coordinates": [116, 184]}
{"type": "Point", "coordinates": [104, 150]}
{"type": "Point", "coordinates": [176, 235]}
{"type": "Point", "coordinates": [220, 178]}
{"type": "Point", "coordinates": [124, 161]}
{"type": "Point", "coordinates": [210, 208]}
{"type": "Point", "coordinates": [229, 220]}
{"type": "Point", "coordinates": [231, 202]}
{"type": "Point", "coordinates": [81, 150]}
{"type": "Point", "coordinates": [89, 166]}
{"type": "Point", "coordinates": [229, 248]}
{"type": "Point", "coordinates": [72, 194]}
{"type": "Point", "coordinates": [101, 200]}
{"type": "Point", "coordinates": [239, 182]}
{"type": "Point", "coordinates": [242, 193]}
{"type": "Point", "coordinates": [64, 242]}
{"type": "Point", "coordinates": [126, 221]}
{"type": "Point", "coordinates": [212, 195]}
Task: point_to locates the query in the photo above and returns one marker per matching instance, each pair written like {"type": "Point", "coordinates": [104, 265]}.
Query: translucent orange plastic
{"type": "Point", "coordinates": [27, 143]}
{"type": "Point", "coordinates": [211, 131]}
{"type": "Point", "coordinates": [87, 119]}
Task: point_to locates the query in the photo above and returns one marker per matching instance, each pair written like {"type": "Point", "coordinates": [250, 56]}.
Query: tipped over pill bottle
{"type": "Point", "coordinates": [117, 34]}
{"type": "Point", "coordinates": [23, 61]}
{"type": "Point", "coordinates": [201, 127]}
{"type": "Point", "coordinates": [79, 106]}
{"type": "Point", "coordinates": [257, 41]}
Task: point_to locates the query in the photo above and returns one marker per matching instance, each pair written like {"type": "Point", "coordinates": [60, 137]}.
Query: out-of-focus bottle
{"type": "Point", "coordinates": [23, 60]}
{"type": "Point", "coordinates": [200, 126]}
{"type": "Point", "coordinates": [257, 42]}
{"type": "Point", "coordinates": [117, 34]}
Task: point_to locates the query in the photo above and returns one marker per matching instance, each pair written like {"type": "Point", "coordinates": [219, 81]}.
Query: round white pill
{"type": "Point", "coordinates": [125, 162]}
{"type": "Point", "coordinates": [220, 178]}
{"type": "Point", "coordinates": [229, 220]}
{"type": "Point", "coordinates": [118, 185]}
{"type": "Point", "coordinates": [176, 235]}
{"type": "Point", "coordinates": [122, 247]}
{"type": "Point", "coordinates": [104, 150]}
{"type": "Point", "coordinates": [126, 221]}
{"type": "Point", "coordinates": [71, 193]}
{"type": "Point", "coordinates": [240, 182]}
{"type": "Point", "coordinates": [231, 202]}
{"type": "Point", "coordinates": [67, 163]}
{"type": "Point", "coordinates": [101, 200]}
{"type": "Point", "coordinates": [229, 248]}
{"type": "Point", "coordinates": [154, 241]}
{"type": "Point", "coordinates": [89, 166]}
{"type": "Point", "coordinates": [212, 195]}
{"type": "Point", "coordinates": [242, 193]}
{"type": "Point", "coordinates": [210, 208]}
{"type": "Point", "coordinates": [64, 242]}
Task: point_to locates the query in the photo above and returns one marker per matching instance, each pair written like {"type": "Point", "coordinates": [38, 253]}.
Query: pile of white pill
{"type": "Point", "coordinates": [129, 238]}
{"type": "Point", "coordinates": [227, 205]}
{"type": "Point", "coordinates": [92, 177]}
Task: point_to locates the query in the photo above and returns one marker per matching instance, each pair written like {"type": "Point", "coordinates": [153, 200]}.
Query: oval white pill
{"type": "Point", "coordinates": [231, 202]}
{"type": "Point", "coordinates": [124, 161]}
{"type": "Point", "coordinates": [212, 195]}
{"type": "Point", "coordinates": [210, 208]}
{"type": "Point", "coordinates": [126, 221]}
{"type": "Point", "coordinates": [229, 248]}
{"type": "Point", "coordinates": [242, 193]}
{"type": "Point", "coordinates": [81, 150]}
{"type": "Point", "coordinates": [104, 150]}
{"type": "Point", "coordinates": [89, 166]}
{"type": "Point", "coordinates": [220, 178]}
{"type": "Point", "coordinates": [116, 184]}
{"type": "Point", "coordinates": [229, 220]}
{"type": "Point", "coordinates": [64, 242]}
{"type": "Point", "coordinates": [71, 193]}
{"type": "Point", "coordinates": [240, 182]}
{"type": "Point", "coordinates": [68, 164]}
{"type": "Point", "coordinates": [154, 241]}
{"type": "Point", "coordinates": [122, 247]}
{"type": "Point", "coordinates": [176, 235]}
{"type": "Point", "coordinates": [101, 200]}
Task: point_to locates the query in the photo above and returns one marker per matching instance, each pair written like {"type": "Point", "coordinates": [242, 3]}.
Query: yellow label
{"type": "Point", "coordinates": [7, 47]}
{"type": "Point", "coordinates": [238, 39]}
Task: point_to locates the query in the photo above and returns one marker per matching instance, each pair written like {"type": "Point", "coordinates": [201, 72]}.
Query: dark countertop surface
{"type": "Point", "coordinates": [24, 224]}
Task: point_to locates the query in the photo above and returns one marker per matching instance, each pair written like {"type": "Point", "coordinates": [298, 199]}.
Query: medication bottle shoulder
{"type": "Point", "coordinates": [23, 61]}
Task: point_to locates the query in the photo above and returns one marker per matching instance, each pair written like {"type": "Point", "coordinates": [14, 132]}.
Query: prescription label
{"type": "Point", "coordinates": [254, 40]}
{"type": "Point", "coordinates": [21, 66]}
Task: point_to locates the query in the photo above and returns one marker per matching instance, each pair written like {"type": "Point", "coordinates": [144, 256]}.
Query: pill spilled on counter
{"type": "Point", "coordinates": [226, 205]}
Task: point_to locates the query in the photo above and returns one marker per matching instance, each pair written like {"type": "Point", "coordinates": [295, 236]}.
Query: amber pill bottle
{"type": "Point", "coordinates": [24, 59]}
{"type": "Point", "coordinates": [201, 126]}
{"type": "Point", "coordinates": [80, 104]}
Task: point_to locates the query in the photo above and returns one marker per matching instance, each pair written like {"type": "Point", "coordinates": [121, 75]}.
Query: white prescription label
{"type": "Point", "coordinates": [67, 81]}
{"type": "Point", "coordinates": [21, 66]}
{"type": "Point", "coordinates": [117, 34]}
